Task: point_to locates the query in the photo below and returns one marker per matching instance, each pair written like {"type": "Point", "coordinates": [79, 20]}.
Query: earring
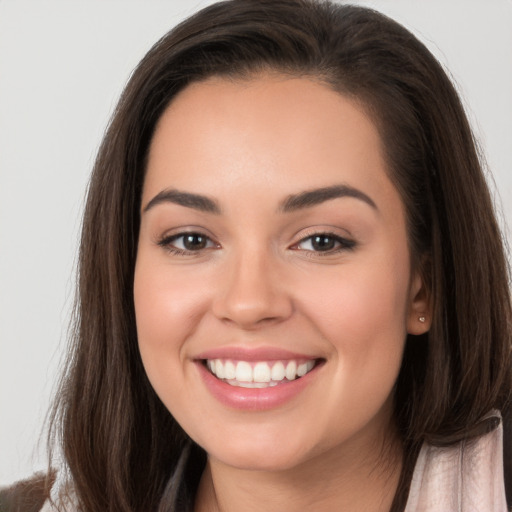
{"type": "Point", "coordinates": [422, 319]}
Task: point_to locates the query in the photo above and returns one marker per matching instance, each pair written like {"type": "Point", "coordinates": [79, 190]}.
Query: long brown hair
{"type": "Point", "coordinates": [119, 442]}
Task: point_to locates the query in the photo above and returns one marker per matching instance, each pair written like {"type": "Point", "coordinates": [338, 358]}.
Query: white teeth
{"type": "Point", "coordinates": [219, 369]}
{"type": "Point", "coordinates": [260, 374]}
{"type": "Point", "coordinates": [278, 371]}
{"type": "Point", "coordinates": [291, 370]}
{"type": "Point", "coordinates": [243, 372]}
{"type": "Point", "coordinates": [229, 370]}
{"type": "Point", "coordinates": [248, 384]}
{"type": "Point", "coordinates": [302, 369]}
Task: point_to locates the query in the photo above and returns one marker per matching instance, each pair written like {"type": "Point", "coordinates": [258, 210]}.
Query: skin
{"type": "Point", "coordinates": [260, 282]}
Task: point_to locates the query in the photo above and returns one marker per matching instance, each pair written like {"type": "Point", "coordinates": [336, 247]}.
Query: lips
{"type": "Point", "coordinates": [257, 379]}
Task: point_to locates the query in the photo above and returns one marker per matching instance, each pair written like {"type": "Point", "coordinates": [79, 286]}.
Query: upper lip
{"type": "Point", "coordinates": [252, 354]}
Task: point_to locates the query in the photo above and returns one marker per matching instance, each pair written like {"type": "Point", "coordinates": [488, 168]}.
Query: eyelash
{"type": "Point", "coordinates": [343, 244]}
{"type": "Point", "coordinates": [167, 243]}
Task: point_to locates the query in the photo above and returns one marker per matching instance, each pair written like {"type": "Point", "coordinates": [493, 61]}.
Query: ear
{"type": "Point", "coordinates": [419, 316]}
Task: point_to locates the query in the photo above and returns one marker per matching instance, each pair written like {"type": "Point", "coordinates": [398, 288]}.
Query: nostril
{"type": "Point", "coordinates": [249, 294]}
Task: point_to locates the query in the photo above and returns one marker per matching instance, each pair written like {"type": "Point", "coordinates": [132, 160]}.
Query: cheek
{"type": "Point", "coordinates": [359, 306]}
{"type": "Point", "coordinates": [362, 314]}
{"type": "Point", "coordinates": [165, 302]}
{"type": "Point", "coordinates": [363, 319]}
{"type": "Point", "coordinates": [167, 308]}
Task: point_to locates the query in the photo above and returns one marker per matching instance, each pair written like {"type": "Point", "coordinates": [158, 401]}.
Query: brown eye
{"type": "Point", "coordinates": [194, 241]}
{"type": "Point", "coordinates": [186, 243]}
{"type": "Point", "coordinates": [325, 242]}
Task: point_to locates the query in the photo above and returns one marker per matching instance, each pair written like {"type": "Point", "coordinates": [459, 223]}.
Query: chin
{"type": "Point", "coordinates": [269, 454]}
{"type": "Point", "coordinates": [255, 460]}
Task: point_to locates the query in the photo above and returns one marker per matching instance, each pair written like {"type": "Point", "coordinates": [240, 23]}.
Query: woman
{"type": "Point", "coordinates": [292, 289]}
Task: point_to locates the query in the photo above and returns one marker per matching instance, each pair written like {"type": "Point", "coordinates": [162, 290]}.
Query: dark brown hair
{"type": "Point", "coordinates": [120, 443]}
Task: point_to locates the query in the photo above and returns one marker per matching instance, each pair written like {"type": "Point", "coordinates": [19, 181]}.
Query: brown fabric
{"type": "Point", "coordinates": [28, 495]}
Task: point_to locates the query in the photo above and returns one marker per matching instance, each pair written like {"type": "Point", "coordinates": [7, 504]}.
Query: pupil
{"type": "Point", "coordinates": [194, 242]}
{"type": "Point", "coordinates": [323, 243]}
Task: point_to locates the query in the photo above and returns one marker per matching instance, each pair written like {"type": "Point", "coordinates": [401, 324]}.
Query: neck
{"type": "Point", "coordinates": [351, 479]}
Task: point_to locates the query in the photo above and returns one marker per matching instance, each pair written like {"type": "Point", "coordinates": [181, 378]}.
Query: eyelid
{"type": "Point", "coordinates": [344, 243]}
{"type": "Point", "coordinates": [166, 241]}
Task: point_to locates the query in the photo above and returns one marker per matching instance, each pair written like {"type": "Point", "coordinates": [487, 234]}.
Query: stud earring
{"type": "Point", "coordinates": [422, 319]}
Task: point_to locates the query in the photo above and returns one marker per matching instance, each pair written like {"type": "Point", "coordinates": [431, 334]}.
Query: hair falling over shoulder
{"type": "Point", "coordinates": [123, 449]}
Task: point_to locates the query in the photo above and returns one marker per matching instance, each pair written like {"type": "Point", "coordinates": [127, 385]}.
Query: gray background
{"type": "Point", "coordinates": [62, 67]}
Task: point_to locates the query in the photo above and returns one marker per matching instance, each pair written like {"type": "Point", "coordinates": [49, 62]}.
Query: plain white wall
{"type": "Point", "coordinates": [62, 67]}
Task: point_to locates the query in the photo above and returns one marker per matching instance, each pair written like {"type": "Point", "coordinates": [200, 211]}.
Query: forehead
{"type": "Point", "coordinates": [270, 131]}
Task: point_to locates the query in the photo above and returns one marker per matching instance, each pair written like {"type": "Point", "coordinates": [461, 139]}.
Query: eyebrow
{"type": "Point", "coordinates": [310, 198]}
{"type": "Point", "coordinates": [195, 201]}
{"type": "Point", "coordinates": [306, 199]}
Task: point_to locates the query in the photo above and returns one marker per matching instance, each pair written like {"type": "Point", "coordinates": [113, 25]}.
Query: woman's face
{"type": "Point", "coordinates": [273, 284]}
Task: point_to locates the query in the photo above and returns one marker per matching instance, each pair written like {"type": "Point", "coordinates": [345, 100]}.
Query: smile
{"type": "Point", "coordinates": [259, 374]}
{"type": "Point", "coordinates": [257, 379]}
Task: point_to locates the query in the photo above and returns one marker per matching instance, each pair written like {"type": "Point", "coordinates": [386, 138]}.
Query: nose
{"type": "Point", "coordinates": [252, 292]}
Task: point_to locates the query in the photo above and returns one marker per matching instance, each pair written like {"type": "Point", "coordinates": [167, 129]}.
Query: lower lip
{"type": "Point", "coordinates": [254, 399]}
